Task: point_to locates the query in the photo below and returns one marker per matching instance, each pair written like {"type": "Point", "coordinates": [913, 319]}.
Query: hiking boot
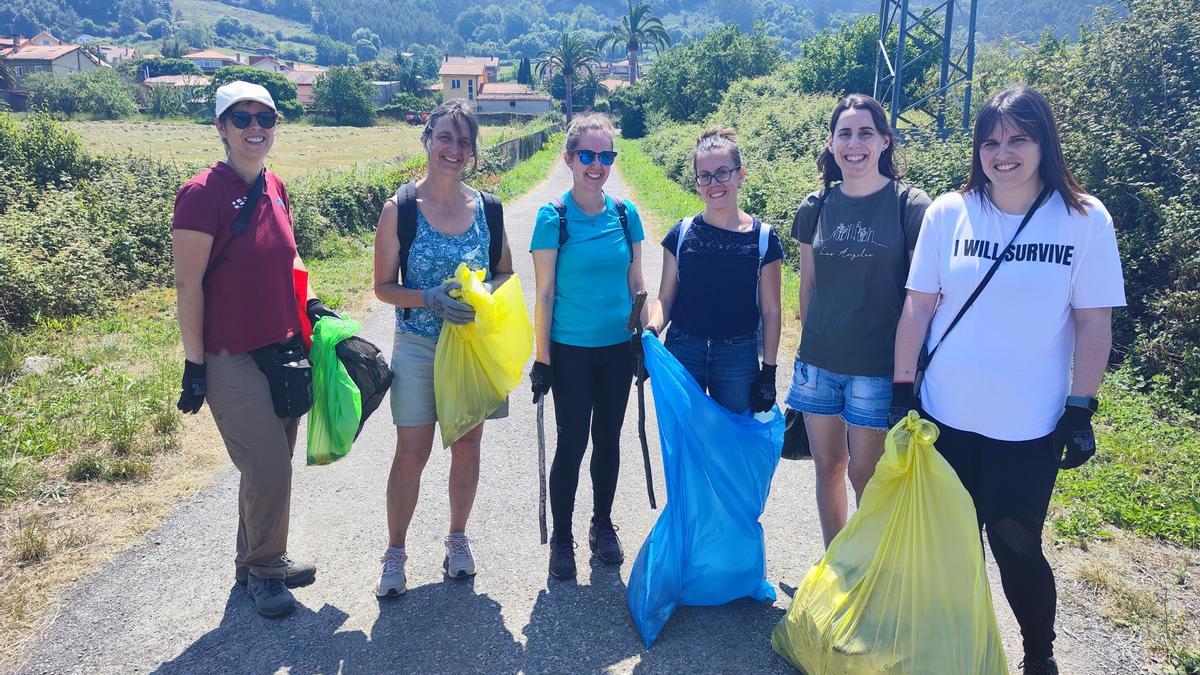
{"type": "Point", "coordinates": [271, 597]}
{"type": "Point", "coordinates": [459, 563]}
{"type": "Point", "coordinates": [298, 573]}
{"type": "Point", "coordinates": [602, 538]}
{"type": "Point", "coordinates": [1046, 666]}
{"type": "Point", "coordinates": [392, 579]}
{"type": "Point", "coordinates": [562, 556]}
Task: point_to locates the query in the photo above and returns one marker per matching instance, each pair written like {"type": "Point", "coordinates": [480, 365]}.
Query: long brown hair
{"type": "Point", "coordinates": [830, 171]}
{"type": "Point", "coordinates": [1029, 111]}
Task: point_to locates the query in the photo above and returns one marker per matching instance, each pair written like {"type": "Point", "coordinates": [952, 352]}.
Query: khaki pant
{"type": "Point", "coordinates": [260, 445]}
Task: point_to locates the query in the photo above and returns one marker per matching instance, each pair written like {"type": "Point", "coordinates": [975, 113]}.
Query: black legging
{"type": "Point", "coordinates": [1010, 483]}
{"type": "Point", "coordinates": [591, 388]}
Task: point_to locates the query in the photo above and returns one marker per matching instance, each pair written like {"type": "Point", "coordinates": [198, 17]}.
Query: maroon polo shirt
{"type": "Point", "coordinates": [249, 301]}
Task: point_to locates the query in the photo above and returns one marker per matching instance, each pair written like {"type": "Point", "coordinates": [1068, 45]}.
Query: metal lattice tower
{"type": "Point", "coordinates": [925, 34]}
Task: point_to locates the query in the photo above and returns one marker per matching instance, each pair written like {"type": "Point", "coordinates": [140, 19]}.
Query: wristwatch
{"type": "Point", "coordinates": [1084, 402]}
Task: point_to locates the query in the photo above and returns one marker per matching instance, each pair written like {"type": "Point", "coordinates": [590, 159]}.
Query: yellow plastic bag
{"type": "Point", "coordinates": [902, 589]}
{"type": "Point", "coordinates": [478, 364]}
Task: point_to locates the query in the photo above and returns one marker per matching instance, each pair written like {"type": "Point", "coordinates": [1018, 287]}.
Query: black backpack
{"type": "Point", "coordinates": [369, 371]}
{"type": "Point", "coordinates": [406, 226]}
{"type": "Point", "coordinates": [560, 207]}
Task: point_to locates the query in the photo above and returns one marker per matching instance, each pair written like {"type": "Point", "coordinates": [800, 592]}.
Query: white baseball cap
{"type": "Point", "coordinates": [238, 91]}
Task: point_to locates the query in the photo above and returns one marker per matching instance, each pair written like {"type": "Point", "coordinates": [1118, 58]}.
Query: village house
{"type": "Point", "coordinates": [462, 80]}
{"type": "Point", "coordinates": [510, 97]}
{"type": "Point", "coordinates": [209, 61]}
{"type": "Point", "coordinates": [29, 57]}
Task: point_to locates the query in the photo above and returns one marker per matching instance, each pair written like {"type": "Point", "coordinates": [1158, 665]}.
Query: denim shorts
{"type": "Point", "coordinates": [725, 368]}
{"type": "Point", "coordinates": [861, 400]}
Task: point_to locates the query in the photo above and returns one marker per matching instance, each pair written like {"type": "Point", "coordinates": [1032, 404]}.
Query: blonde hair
{"type": "Point", "coordinates": [717, 138]}
{"type": "Point", "coordinates": [585, 123]}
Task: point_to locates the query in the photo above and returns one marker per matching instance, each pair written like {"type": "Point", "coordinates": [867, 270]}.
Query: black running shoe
{"type": "Point", "coordinates": [1046, 666]}
{"type": "Point", "coordinates": [602, 538]}
{"type": "Point", "coordinates": [562, 556]}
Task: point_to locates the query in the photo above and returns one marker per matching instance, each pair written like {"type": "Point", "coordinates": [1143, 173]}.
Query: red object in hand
{"type": "Point", "coordinates": [300, 282]}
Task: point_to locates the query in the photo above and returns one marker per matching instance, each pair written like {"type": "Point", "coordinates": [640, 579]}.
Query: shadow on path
{"type": "Point", "coordinates": [581, 628]}
{"type": "Point", "coordinates": [306, 641]}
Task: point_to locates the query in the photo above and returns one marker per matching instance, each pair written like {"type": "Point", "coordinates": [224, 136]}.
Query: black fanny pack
{"type": "Point", "coordinates": [289, 374]}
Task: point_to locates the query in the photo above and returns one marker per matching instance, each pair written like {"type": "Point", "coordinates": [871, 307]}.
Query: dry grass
{"type": "Point", "coordinates": [1148, 588]}
{"type": "Point", "coordinates": [51, 542]}
{"type": "Point", "coordinates": [298, 149]}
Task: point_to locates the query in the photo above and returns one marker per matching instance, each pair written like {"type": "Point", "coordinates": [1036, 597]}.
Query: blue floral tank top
{"type": "Point", "coordinates": [433, 258]}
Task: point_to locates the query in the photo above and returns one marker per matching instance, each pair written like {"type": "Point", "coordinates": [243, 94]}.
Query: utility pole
{"type": "Point", "coordinates": [925, 36]}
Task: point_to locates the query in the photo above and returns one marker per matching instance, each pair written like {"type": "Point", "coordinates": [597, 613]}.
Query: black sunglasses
{"type": "Point", "coordinates": [588, 156]}
{"type": "Point", "coordinates": [241, 118]}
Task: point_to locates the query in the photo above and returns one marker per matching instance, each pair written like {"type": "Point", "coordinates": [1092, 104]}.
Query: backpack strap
{"type": "Point", "coordinates": [560, 207]}
{"type": "Point", "coordinates": [493, 211]}
{"type": "Point", "coordinates": [901, 205]}
{"type": "Point", "coordinates": [624, 218]}
{"type": "Point", "coordinates": [684, 226]}
{"type": "Point", "coordinates": [406, 225]}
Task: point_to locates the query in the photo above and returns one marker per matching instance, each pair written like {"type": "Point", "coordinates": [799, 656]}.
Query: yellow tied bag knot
{"type": "Point", "coordinates": [478, 364]}
{"type": "Point", "coordinates": [903, 588]}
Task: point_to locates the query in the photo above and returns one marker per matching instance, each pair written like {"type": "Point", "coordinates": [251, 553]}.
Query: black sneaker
{"type": "Point", "coordinates": [298, 573]}
{"type": "Point", "coordinates": [271, 598]}
{"type": "Point", "coordinates": [602, 538]}
{"type": "Point", "coordinates": [1046, 666]}
{"type": "Point", "coordinates": [562, 556]}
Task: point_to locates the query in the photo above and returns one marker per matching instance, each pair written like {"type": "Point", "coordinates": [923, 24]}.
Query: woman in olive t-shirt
{"type": "Point", "coordinates": [856, 239]}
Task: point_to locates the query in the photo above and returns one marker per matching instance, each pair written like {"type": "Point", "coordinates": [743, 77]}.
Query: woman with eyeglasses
{"type": "Point", "coordinates": [587, 259]}
{"type": "Point", "coordinates": [720, 289]}
{"type": "Point", "coordinates": [236, 300]}
{"type": "Point", "coordinates": [856, 240]}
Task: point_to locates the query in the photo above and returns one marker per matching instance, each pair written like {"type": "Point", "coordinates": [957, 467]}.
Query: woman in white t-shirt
{"type": "Point", "coordinates": [1001, 387]}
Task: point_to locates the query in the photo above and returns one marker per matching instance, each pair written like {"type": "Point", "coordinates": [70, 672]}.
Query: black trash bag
{"type": "Point", "coordinates": [370, 372]}
{"type": "Point", "coordinates": [795, 436]}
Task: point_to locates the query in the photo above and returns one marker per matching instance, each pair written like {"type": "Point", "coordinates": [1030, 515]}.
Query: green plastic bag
{"type": "Point", "coordinates": [337, 404]}
{"type": "Point", "coordinates": [902, 589]}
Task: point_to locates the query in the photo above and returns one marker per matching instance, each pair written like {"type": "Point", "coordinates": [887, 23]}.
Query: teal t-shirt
{"type": "Point", "coordinates": [591, 287]}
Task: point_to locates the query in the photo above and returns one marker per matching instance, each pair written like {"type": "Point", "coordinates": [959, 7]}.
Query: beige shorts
{"type": "Point", "coordinates": [412, 382]}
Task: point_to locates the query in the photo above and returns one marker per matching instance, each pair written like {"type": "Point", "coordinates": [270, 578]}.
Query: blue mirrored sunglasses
{"type": "Point", "coordinates": [588, 156]}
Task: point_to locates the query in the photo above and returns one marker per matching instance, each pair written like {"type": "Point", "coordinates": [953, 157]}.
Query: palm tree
{"type": "Point", "coordinates": [570, 58]}
{"type": "Point", "coordinates": [8, 76]}
{"type": "Point", "coordinates": [594, 86]}
{"type": "Point", "coordinates": [635, 31]}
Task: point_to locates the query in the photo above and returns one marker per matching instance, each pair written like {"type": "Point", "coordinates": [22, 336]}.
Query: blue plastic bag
{"type": "Point", "coordinates": [707, 546]}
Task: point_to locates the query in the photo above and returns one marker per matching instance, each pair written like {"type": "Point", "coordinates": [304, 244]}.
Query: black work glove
{"type": "Point", "coordinates": [439, 301]}
{"type": "Point", "coordinates": [1074, 434]}
{"type": "Point", "coordinates": [317, 309]}
{"type": "Point", "coordinates": [194, 387]}
{"type": "Point", "coordinates": [903, 400]}
{"type": "Point", "coordinates": [542, 376]}
{"type": "Point", "coordinates": [762, 392]}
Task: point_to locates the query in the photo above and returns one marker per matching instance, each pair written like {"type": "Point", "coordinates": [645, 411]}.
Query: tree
{"type": "Point", "coordinates": [158, 29]}
{"type": "Point", "coordinates": [175, 48]}
{"type": "Point", "coordinates": [332, 52]}
{"type": "Point", "coordinates": [688, 82]}
{"type": "Point", "coordinates": [344, 95]}
{"type": "Point", "coordinates": [365, 50]}
{"type": "Point", "coordinates": [524, 73]}
{"type": "Point", "coordinates": [153, 66]}
{"type": "Point", "coordinates": [637, 29]}
{"type": "Point", "coordinates": [283, 90]}
{"type": "Point", "coordinates": [572, 56]}
{"type": "Point", "coordinates": [8, 76]}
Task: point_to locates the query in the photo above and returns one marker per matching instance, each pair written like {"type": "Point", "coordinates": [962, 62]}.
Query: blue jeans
{"type": "Point", "coordinates": [725, 368]}
{"type": "Point", "coordinates": [861, 400]}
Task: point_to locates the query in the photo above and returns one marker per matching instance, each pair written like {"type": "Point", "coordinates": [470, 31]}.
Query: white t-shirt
{"type": "Point", "coordinates": [1004, 372]}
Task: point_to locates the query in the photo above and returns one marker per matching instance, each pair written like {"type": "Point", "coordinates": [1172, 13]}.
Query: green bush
{"type": "Point", "coordinates": [100, 93]}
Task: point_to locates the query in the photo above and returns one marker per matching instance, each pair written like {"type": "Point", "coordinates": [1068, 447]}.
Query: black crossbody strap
{"type": "Point", "coordinates": [241, 222]}
{"type": "Point", "coordinates": [924, 363]}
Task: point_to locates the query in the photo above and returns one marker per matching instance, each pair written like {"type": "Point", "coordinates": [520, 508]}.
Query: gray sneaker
{"type": "Point", "coordinates": [271, 597]}
{"type": "Point", "coordinates": [298, 573]}
{"type": "Point", "coordinates": [392, 580]}
{"type": "Point", "coordinates": [459, 563]}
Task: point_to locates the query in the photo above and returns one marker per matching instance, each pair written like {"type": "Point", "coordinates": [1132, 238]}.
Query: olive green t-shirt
{"type": "Point", "coordinates": [860, 254]}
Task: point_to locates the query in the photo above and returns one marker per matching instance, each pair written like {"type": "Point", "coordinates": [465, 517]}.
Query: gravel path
{"type": "Point", "coordinates": [171, 605]}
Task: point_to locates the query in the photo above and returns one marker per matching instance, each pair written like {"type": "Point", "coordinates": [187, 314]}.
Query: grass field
{"type": "Point", "coordinates": [208, 11]}
{"type": "Point", "coordinates": [299, 148]}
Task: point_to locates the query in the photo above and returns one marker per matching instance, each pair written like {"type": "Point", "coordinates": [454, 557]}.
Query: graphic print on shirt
{"type": "Point", "coordinates": [1061, 254]}
{"type": "Point", "coordinates": [859, 240]}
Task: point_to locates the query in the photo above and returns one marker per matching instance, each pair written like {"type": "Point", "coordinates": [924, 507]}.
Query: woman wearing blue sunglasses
{"type": "Point", "coordinates": [587, 258]}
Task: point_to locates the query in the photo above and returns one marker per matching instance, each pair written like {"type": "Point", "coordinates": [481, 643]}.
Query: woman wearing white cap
{"type": "Point", "coordinates": [234, 261]}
